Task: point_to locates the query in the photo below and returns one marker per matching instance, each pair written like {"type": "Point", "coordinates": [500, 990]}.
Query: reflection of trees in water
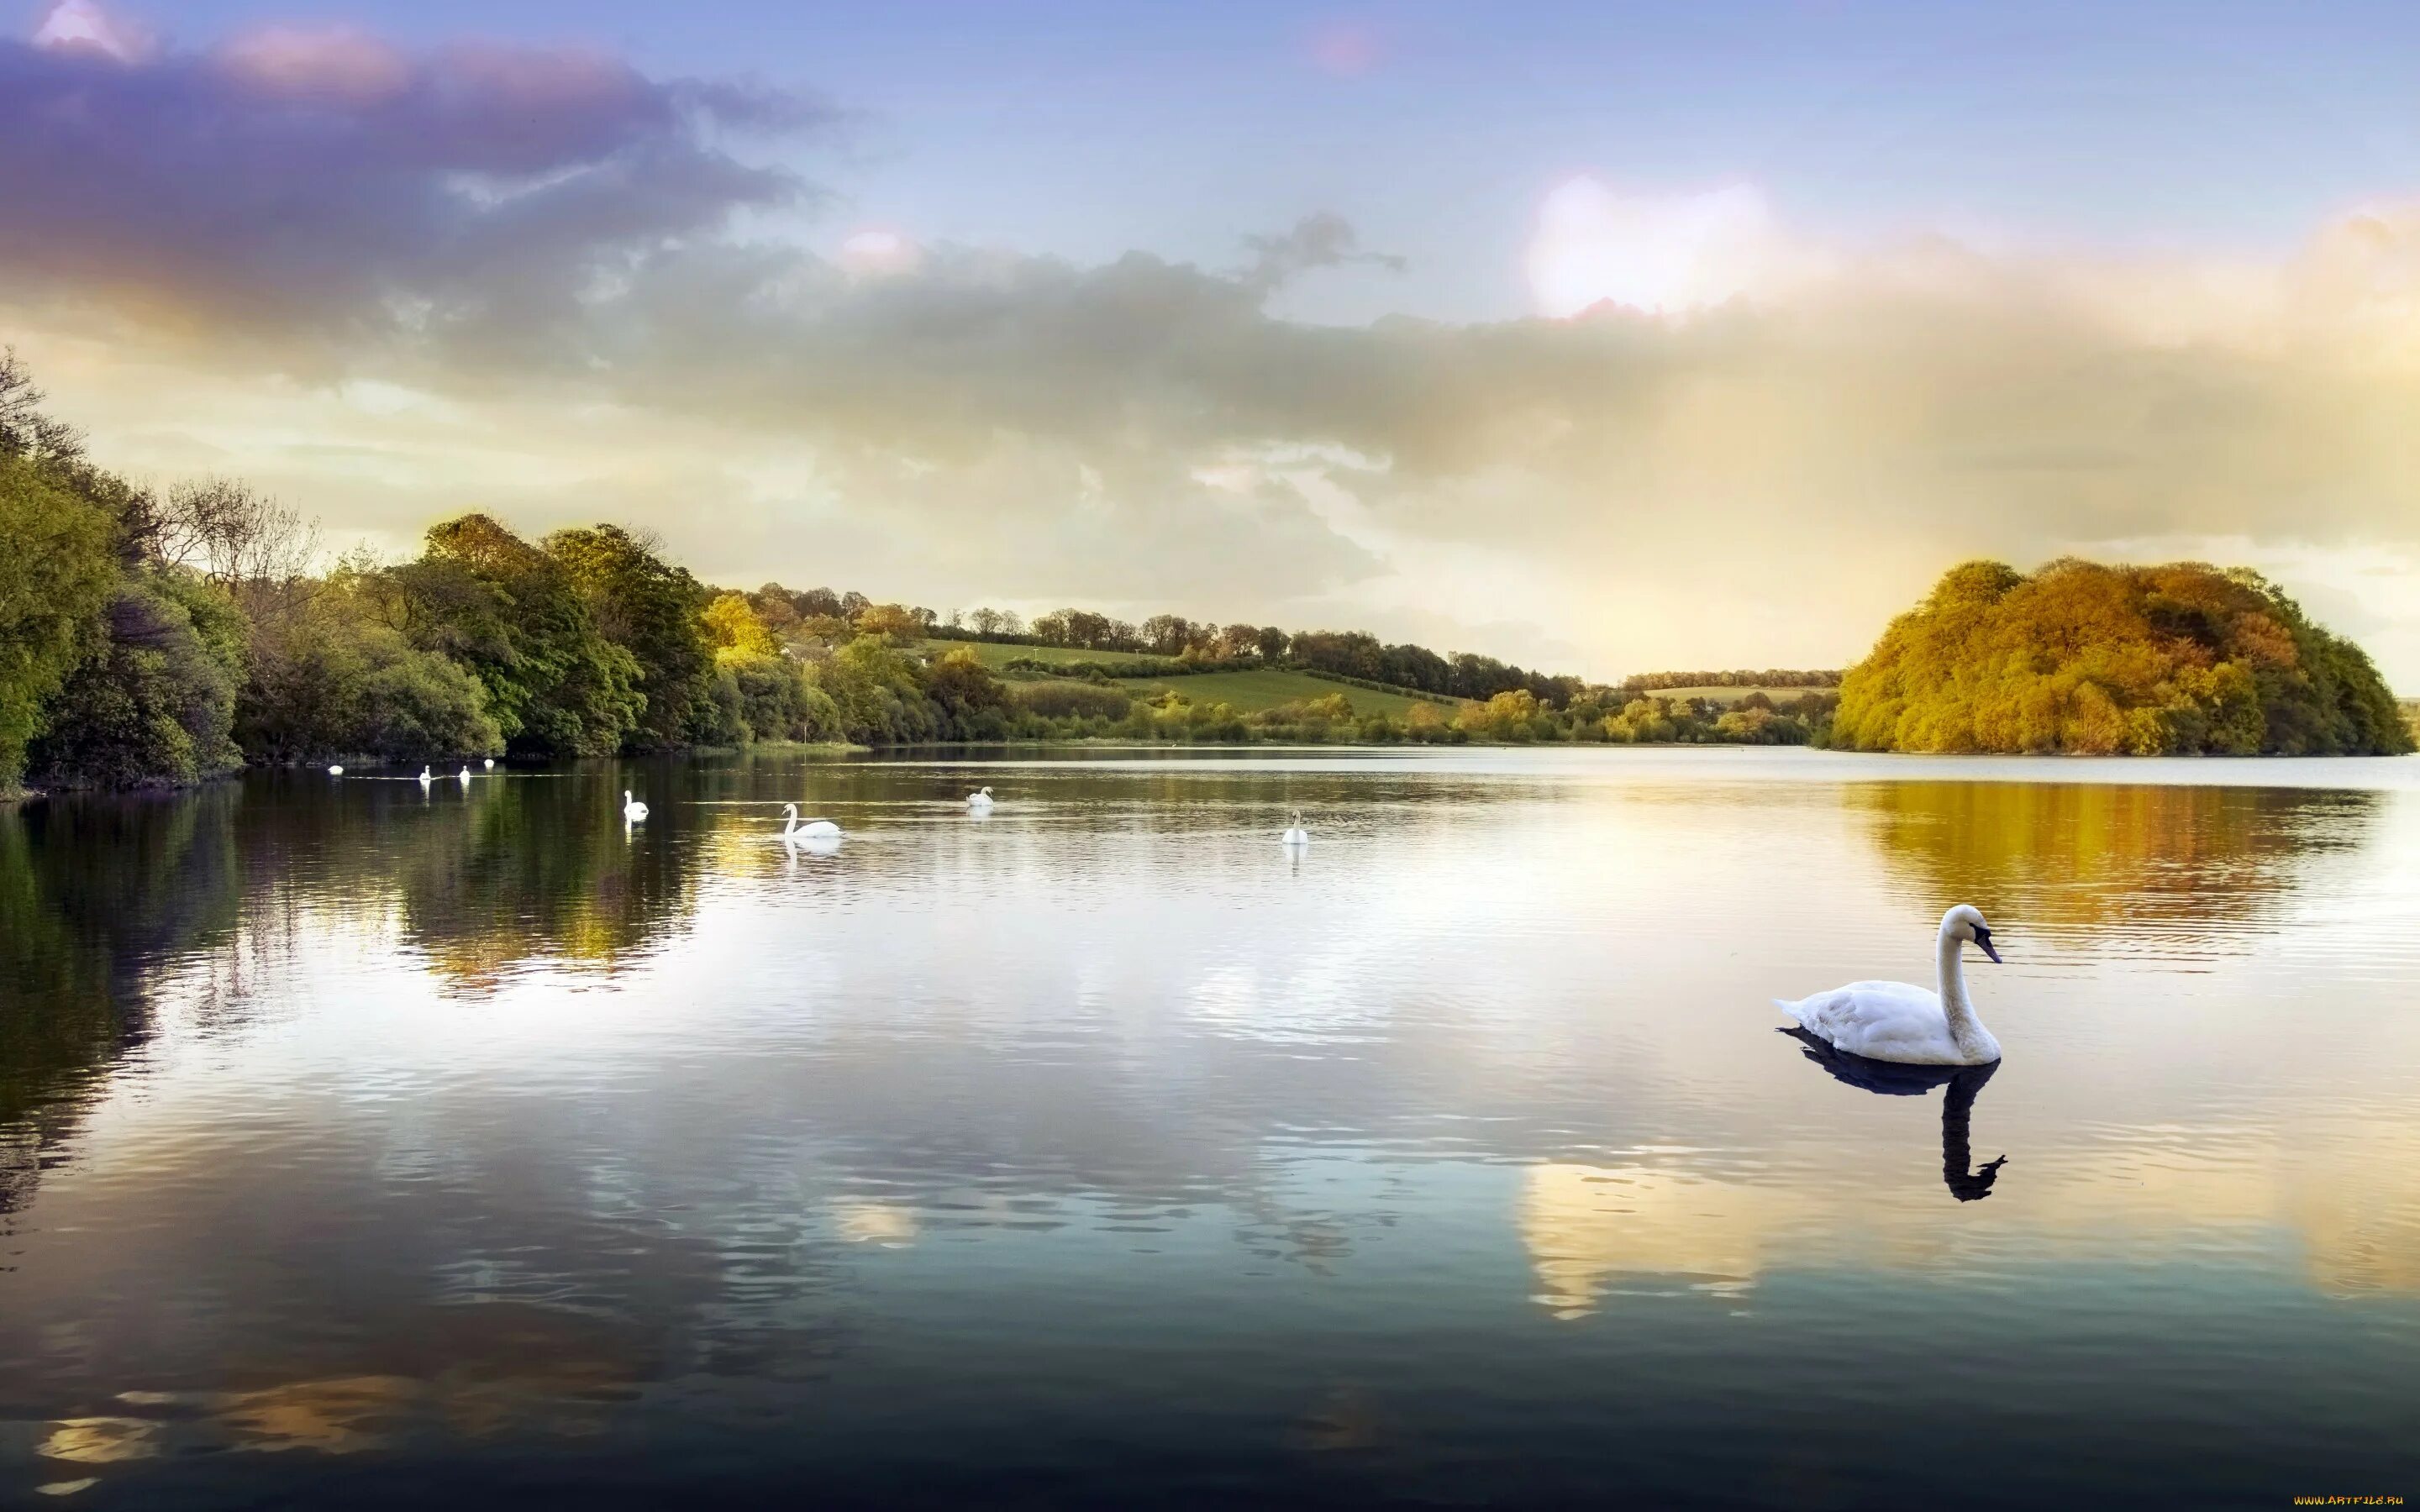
{"type": "Point", "coordinates": [539, 868]}
{"type": "Point", "coordinates": [101, 896]}
{"type": "Point", "coordinates": [2083, 855]}
{"type": "Point", "coordinates": [92, 898]}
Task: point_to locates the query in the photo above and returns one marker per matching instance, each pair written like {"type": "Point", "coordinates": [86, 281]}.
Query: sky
{"type": "Point", "coordinates": [1607, 337]}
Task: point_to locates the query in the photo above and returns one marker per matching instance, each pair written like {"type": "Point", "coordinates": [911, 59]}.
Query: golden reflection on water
{"type": "Point", "coordinates": [2073, 855]}
{"type": "Point", "coordinates": [2348, 1202]}
{"type": "Point", "coordinates": [1594, 1229]}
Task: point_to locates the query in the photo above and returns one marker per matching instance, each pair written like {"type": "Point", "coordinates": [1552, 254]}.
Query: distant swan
{"type": "Point", "coordinates": [337, 770]}
{"type": "Point", "coordinates": [980, 802]}
{"type": "Point", "coordinates": [1296, 835]}
{"type": "Point", "coordinates": [491, 763]}
{"type": "Point", "coordinates": [463, 776]}
{"type": "Point", "coordinates": [632, 811]}
{"type": "Point", "coordinates": [795, 833]}
{"type": "Point", "coordinates": [1899, 1022]}
{"type": "Point", "coordinates": [424, 778]}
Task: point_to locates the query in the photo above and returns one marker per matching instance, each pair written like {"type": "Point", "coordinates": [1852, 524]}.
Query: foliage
{"type": "Point", "coordinates": [650, 608]}
{"type": "Point", "coordinates": [513, 615]}
{"type": "Point", "coordinates": [155, 701]}
{"type": "Point", "coordinates": [55, 577]}
{"type": "Point", "coordinates": [1736, 677]}
{"type": "Point", "coordinates": [331, 677]}
{"type": "Point", "coordinates": [878, 693]}
{"type": "Point", "coordinates": [735, 628]}
{"type": "Point", "coordinates": [2080, 658]}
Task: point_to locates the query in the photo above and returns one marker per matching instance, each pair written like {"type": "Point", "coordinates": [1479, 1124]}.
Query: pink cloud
{"type": "Point", "coordinates": [335, 65]}
{"type": "Point", "coordinates": [84, 26]}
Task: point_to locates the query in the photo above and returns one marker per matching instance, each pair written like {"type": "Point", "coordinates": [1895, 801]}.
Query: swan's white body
{"type": "Point", "coordinates": [337, 770]}
{"type": "Point", "coordinates": [491, 763]}
{"type": "Point", "coordinates": [1296, 833]}
{"type": "Point", "coordinates": [463, 776]}
{"type": "Point", "coordinates": [1900, 1022]}
{"type": "Point", "coordinates": [424, 778]}
{"type": "Point", "coordinates": [980, 802]}
{"type": "Point", "coordinates": [632, 811]}
{"type": "Point", "coordinates": [813, 830]}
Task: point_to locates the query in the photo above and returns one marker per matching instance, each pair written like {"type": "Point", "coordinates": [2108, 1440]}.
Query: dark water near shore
{"type": "Point", "coordinates": [365, 1147]}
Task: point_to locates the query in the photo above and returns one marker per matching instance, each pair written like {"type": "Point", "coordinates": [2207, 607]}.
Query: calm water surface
{"type": "Point", "coordinates": [366, 1147]}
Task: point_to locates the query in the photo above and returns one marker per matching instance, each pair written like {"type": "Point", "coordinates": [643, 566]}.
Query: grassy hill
{"type": "Point", "coordinates": [1261, 687]}
{"type": "Point", "coordinates": [1267, 688]}
{"type": "Point", "coordinates": [997, 656]}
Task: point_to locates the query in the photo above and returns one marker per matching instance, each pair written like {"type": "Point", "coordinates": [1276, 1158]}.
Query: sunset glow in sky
{"type": "Point", "coordinates": [1605, 336]}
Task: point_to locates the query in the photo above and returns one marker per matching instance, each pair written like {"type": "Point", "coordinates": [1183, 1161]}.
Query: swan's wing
{"type": "Point", "coordinates": [1881, 1020]}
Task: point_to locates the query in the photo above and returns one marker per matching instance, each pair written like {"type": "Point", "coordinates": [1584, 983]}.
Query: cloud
{"type": "Point", "coordinates": [325, 178]}
{"type": "Point", "coordinates": [1658, 253]}
{"type": "Point", "coordinates": [1743, 445]}
{"type": "Point", "coordinates": [1325, 240]}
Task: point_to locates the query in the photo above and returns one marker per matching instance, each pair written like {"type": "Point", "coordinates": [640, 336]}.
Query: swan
{"type": "Point", "coordinates": [1899, 1022]}
{"type": "Point", "coordinates": [980, 802]}
{"type": "Point", "coordinates": [1296, 835]}
{"type": "Point", "coordinates": [632, 811]}
{"type": "Point", "coordinates": [463, 776]}
{"type": "Point", "coordinates": [795, 833]}
{"type": "Point", "coordinates": [491, 763]}
{"type": "Point", "coordinates": [337, 770]}
{"type": "Point", "coordinates": [424, 778]}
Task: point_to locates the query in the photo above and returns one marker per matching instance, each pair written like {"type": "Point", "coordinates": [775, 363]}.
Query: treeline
{"type": "Point", "coordinates": [1351, 655]}
{"type": "Point", "coordinates": [1736, 677]}
{"type": "Point", "coordinates": [2182, 659]}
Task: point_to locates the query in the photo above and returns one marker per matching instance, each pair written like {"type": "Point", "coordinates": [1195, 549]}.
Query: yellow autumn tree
{"type": "Point", "coordinates": [2180, 660]}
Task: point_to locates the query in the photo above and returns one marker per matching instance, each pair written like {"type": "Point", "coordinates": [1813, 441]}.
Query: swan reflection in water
{"type": "Point", "coordinates": [1967, 1182]}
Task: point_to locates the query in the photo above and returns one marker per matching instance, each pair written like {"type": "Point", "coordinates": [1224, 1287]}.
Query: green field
{"type": "Point", "coordinates": [996, 655]}
{"type": "Point", "coordinates": [1266, 689]}
{"type": "Point", "coordinates": [1728, 695]}
{"type": "Point", "coordinates": [1244, 691]}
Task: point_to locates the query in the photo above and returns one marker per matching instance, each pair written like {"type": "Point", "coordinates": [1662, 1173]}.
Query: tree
{"type": "Point", "coordinates": [510, 613]}
{"type": "Point", "coordinates": [154, 701]}
{"type": "Point", "coordinates": [329, 676]}
{"type": "Point", "coordinates": [889, 619]}
{"type": "Point", "coordinates": [650, 608]}
{"type": "Point", "coordinates": [734, 627]}
{"type": "Point", "coordinates": [55, 577]}
{"type": "Point", "coordinates": [972, 700]}
{"type": "Point", "coordinates": [2080, 658]}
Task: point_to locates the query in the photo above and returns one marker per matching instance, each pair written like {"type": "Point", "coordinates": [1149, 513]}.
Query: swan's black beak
{"type": "Point", "coordinates": [1983, 938]}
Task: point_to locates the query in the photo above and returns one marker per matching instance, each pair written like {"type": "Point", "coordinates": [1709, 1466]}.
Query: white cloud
{"type": "Point", "coordinates": [1659, 253]}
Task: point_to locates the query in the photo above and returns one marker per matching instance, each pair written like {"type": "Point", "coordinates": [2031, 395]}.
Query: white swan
{"type": "Point", "coordinates": [424, 778]}
{"type": "Point", "coordinates": [980, 802]}
{"type": "Point", "coordinates": [491, 763]}
{"type": "Point", "coordinates": [1296, 835]}
{"type": "Point", "coordinates": [795, 833]}
{"type": "Point", "coordinates": [632, 811]}
{"type": "Point", "coordinates": [337, 770]}
{"type": "Point", "coordinates": [463, 776]}
{"type": "Point", "coordinates": [1899, 1021]}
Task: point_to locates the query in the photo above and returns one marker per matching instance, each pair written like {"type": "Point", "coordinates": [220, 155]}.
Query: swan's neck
{"type": "Point", "coordinates": [1956, 1007]}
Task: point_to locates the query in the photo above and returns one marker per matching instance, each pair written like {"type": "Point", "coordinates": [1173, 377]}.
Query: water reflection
{"type": "Point", "coordinates": [468, 1119]}
{"type": "Point", "coordinates": [2073, 857]}
{"type": "Point", "coordinates": [1889, 1079]}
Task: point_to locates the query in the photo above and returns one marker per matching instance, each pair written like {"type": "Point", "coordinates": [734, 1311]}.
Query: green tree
{"type": "Point", "coordinates": [155, 700]}
{"type": "Point", "coordinates": [55, 576]}
{"type": "Point", "coordinates": [651, 610]}
{"type": "Point", "coordinates": [511, 613]}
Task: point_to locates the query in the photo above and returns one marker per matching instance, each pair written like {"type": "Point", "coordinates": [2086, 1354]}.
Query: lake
{"type": "Point", "coordinates": [367, 1146]}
